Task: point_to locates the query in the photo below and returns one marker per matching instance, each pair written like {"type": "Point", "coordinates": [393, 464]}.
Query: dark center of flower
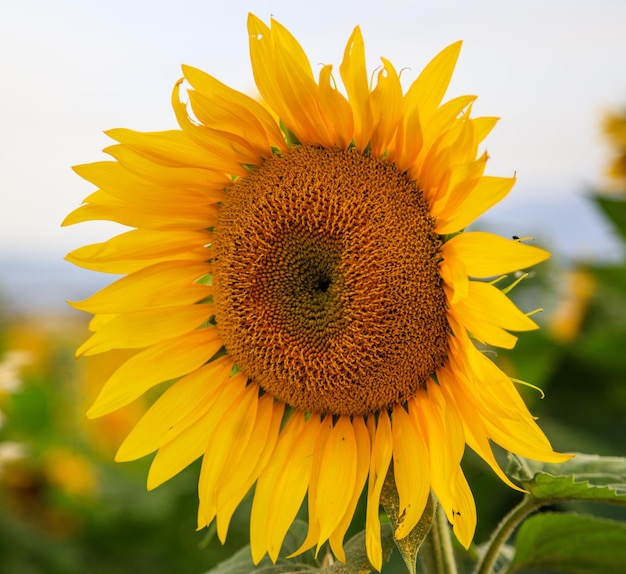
{"type": "Point", "coordinates": [327, 287]}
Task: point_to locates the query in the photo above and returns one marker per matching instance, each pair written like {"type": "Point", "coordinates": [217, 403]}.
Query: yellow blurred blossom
{"type": "Point", "coordinates": [566, 322]}
{"type": "Point", "coordinates": [70, 472]}
{"type": "Point", "coordinates": [615, 131]}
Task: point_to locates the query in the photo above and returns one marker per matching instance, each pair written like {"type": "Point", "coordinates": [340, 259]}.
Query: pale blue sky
{"type": "Point", "coordinates": [73, 68]}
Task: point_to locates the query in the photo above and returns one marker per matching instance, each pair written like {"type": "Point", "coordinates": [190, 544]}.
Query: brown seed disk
{"type": "Point", "coordinates": [327, 287]}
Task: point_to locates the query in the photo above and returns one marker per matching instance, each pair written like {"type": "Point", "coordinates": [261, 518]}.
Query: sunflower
{"type": "Point", "coordinates": [298, 272]}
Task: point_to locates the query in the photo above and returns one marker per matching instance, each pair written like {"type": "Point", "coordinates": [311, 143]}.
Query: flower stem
{"type": "Point", "coordinates": [436, 554]}
{"type": "Point", "coordinates": [502, 532]}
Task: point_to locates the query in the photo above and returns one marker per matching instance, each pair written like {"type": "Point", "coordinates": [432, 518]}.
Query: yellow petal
{"type": "Point", "coordinates": [518, 437]}
{"type": "Point", "coordinates": [171, 175]}
{"type": "Point", "coordinates": [386, 106]}
{"type": "Point", "coordinates": [235, 426]}
{"type": "Point", "coordinates": [498, 412]}
{"type": "Point", "coordinates": [444, 117]}
{"type": "Point", "coordinates": [262, 502]}
{"type": "Point", "coordinates": [130, 251]}
{"type": "Point", "coordinates": [149, 287]}
{"type": "Point", "coordinates": [287, 85]}
{"type": "Point", "coordinates": [263, 62]}
{"type": "Point", "coordinates": [155, 365]}
{"type": "Point", "coordinates": [286, 44]}
{"type": "Point", "coordinates": [225, 152]}
{"type": "Point", "coordinates": [218, 106]}
{"type": "Point", "coordinates": [299, 90]}
{"type": "Point", "coordinates": [432, 83]}
{"type": "Point", "coordinates": [435, 171]}
{"type": "Point", "coordinates": [462, 509]}
{"type": "Point", "coordinates": [494, 388]}
{"type": "Point", "coordinates": [461, 181]}
{"type": "Point", "coordinates": [176, 409]}
{"type": "Point", "coordinates": [257, 119]}
{"type": "Point", "coordinates": [354, 75]}
{"type": "Point", "coordinates": [486, 312]}
{"type": "Point", "coordinates": [117, 181]}
{"type": "Point", "coordinates": [487, 255]}
{"type": "Point", "coordinates": [145, 328]}
{"type": "Point", "coordinates": [517, 432]}
{"type": "Point", "coordinates": [428, 418]}
{"type": "Point", "coordinates": [488, 192]}
{"type": "Point", "coordinates": [453, 272]}
{"type": "Point", "coordinates": [404, 151]}
{"type": "Point", "coordinates": [465, 148]}
{"type": "Point", "coordinates": [98, 321]}
{"type": "Point", "coordinates": [241, 127]}
{"type": "Point", "coordinates": [422, 128]}
{"type": "Point", "coordinates": [379, 464]}
{"type": "Point", "coordinates": [336, 110]}
{"type": "Point", "coordinates": [313, 533]}
{"type": "Point", "coordinates": [337, 478]}
{"type": "Point", "coordinates": [291, 484]}
{"type": "Point", "coordinates": [249, 462]}
{"type": "Point", "coordinates": [497, 307]}
{"type": "Point", "coordinates": [451, 423]}
{"type": "Point", "coordinates": [472, 375]}
{"type": "Point", "coordinates": [484, 125]}
{"type": "Point", "coordinates": [461, 171]}
{"type": "Point", "coordinates": [411, 470]}
{"type": "Point", "coordinates": [188, 446]}
{"type": "Point", "coordinates": [169, 148]}
{"type": "Point", "coordinates": [438, 418]}
{"type": "Point", "coordinates": [363, 455]}
{"type": "Point", "coordinates": [128, 213]}
{"type": "Point", "coordinates": [473, 428]}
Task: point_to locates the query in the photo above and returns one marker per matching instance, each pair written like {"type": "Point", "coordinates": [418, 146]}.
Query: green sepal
{"type": "Point", "coordinates": [289, 136]}
{"type": "Point", "coordinates": [241, 561]}
{"type": "Point", "coordinates": [409, 545]}
{"type": "Point", "coordinates": [572, 543]}
{"type": "Point", "coordinates": [206, 279]}
{"type": "Point", "coordinates": [357, 561]}
{"type": "Point", "coordinates": [355, 549]}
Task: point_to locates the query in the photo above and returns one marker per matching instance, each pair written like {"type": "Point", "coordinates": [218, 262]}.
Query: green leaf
{"type": "Point", "coordinates": [585, 477]}
{"type": "Point", "coordinates": [570, 543]}
{"type": "Point", "coordinates": [409, 545]}
{"type": "Point", "coordinates": [241, 561]}
{"type": "Point", "coordinates": [615, 210]}
{"type": "Point", "coordinates": [356, 554]}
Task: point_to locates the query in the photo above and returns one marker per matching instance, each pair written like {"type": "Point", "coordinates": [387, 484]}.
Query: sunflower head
{"type": "Point", "coordinates": [327, 284]}
{"type": "Point", "coordinates": [298, 268]}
